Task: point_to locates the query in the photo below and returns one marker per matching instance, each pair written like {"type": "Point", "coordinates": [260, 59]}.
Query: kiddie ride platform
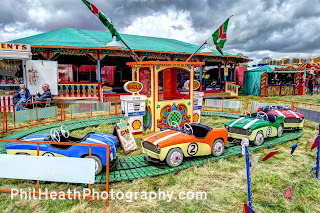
{"type": "Point", "coordinates": [130, 168]}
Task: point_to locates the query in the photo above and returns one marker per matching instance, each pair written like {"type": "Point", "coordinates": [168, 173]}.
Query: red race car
{"type": "Point", "coordinates": [292, 120]}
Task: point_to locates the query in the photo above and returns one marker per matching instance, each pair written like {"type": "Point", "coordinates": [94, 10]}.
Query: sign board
{"type": "Point", "coordinates": [135, 108]}
{"type": "Point", "coordinates": [133, 86]}
{"type": "Point", "coordinates": [226, 69]}
{"type": "Point", "coordinates": [15, 51]}
{"type": "Point", "coordinates": [39, 72]}
{"type": "Point", "coordinates": [196, 84]}
{"type": "Point", "coordinates": [57, 169]}
{"type": "Point", "coordinates": [15, 47]}
{"type": "Point", "coordinates": [125, 137]}
{"type": "Point", "coordinates": [197, 103]}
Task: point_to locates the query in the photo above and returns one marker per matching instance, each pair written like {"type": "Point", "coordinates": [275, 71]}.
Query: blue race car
{"type": "Point", "coordinates": [53, 150]}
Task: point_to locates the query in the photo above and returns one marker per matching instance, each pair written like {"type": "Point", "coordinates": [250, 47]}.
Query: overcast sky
{"type": "Point", "coordinates": [258, 28]}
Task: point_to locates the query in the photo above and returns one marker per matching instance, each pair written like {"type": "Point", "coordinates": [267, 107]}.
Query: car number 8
{"type": "Point", "coordinates": [192, 149]}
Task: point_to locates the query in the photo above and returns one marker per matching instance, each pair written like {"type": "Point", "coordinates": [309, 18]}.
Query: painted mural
{"type": "Point", "coordinates": [171, 115]}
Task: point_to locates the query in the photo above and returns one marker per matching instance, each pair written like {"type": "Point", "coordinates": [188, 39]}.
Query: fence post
{"type": "Point", "coordinates": [318, 155]}
{"type": "Point", "coordinates": [61, 110]}
{"type": "Point", "coordinates": [247, 103]}
{"type": "Point", "coordinates": [5, 121]}
{"type": "Point", "coordinates": [90, 108]}
{"type": "Point", "coordinates": [206, 102]}
{"type": "Point", "coordinates": [116, 106]}
{"type": "Point", "coordinates": [70, 109]}
{"type": "Point", "coordinates": [64, 112]}
{"type": "Point", "coordinates": [245, 151]}
{"type": "Point", "coordinates": [292, 105]}
{"type": "Point", "coordinates": [309, 114]}
{"type": "Point", "coordinates": [222, 104]}
{"type": "Point", "coordinates": [36, 111]}
{"type": "Point", "coordinates": [14, 117]}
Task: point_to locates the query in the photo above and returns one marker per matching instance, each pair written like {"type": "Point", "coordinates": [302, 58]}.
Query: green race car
{"type": "Point", "coordinates": [256, 127]}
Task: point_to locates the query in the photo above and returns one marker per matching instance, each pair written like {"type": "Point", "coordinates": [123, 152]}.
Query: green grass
{"type": "Point", "coordinates": [224, 182]}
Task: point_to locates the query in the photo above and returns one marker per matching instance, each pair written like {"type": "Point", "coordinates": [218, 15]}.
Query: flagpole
{"type": "Point", "coordinates": [97, 12]}
{"type": "Point", "coordinates": [201, 46]}
{"type": "Point", "coordinates": [197, 49]}
{"type": "Point", "coordinates": [131, 50]}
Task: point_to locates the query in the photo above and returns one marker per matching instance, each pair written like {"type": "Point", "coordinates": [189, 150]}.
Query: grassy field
{"type": "Point", "coordinates": [223, 181]}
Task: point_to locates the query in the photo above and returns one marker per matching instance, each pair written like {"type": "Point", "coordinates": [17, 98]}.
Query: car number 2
{"type": "Point", "coordinates": [192, 149]}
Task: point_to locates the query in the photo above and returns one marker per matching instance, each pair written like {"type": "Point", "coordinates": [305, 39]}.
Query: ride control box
{"type": "Point", "coordinates": [197, 105]}
{"type": "Point", "coordinates": [134, 108]}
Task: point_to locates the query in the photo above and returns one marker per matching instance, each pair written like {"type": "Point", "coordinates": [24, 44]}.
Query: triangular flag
{"type": "Point", "coordinates": [309, 144]}
{"type": "Point", "coordinates": [220, 36]}
{"type": "Point", "coordinates": [293, 147]}
{"type": "Point", "coordinates": [287, 194]}
{"type": "Point", "coordinates": [254, 160]}
{"type": "Point", "coordinates": [104, 19]}
{"type": "Point", "coordinates": [315, 143]}
{"type": "Point", "coordinates": [245, 208]}
{"type": "Point", "coordinates": [270, 155]}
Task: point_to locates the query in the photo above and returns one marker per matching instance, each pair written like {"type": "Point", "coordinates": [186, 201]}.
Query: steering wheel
{"type": "Point", "coordinates": [271, 107]}
{"type": "Point", "coordinates": [175, 124]}
{"type": "Point", "coordinates": [55, 135]}
{"type": "Point", "coordinates": [213, 83]}
{"type": "Point", "coordinates": [64, 131]}
{"type": "Point", "coordinates": [287, 106]}
{"type": "Point", "coordinates": [187, 127]}
{"type": "Point", "coordinates": [262, 115]}
{"type": "Point", "coordinates": [246, 112]}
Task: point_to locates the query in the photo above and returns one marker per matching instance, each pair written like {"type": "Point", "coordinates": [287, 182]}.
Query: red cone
{"type": "Point", "coordinates": [270, 155]}
{"type": "Point", "coordinates": [287, 194]}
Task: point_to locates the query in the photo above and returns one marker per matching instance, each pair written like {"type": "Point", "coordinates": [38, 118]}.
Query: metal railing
{"type": "Point", "coordinates": [41, 113]}
{"type": "Point", "coordinates": [37, 192]}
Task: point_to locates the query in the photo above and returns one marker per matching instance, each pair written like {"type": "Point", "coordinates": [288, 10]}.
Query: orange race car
{"type": "Point", "coordinates": [191, 140]}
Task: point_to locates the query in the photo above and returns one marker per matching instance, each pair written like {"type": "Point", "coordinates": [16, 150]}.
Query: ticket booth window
{"type": "Point", "coordinates": [171, 84]}
{"type": "Point", "coordinates": [145, 80]}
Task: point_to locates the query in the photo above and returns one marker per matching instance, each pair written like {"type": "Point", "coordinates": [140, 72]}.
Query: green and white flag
{"type": "Point", "coordinates": [104, 19]}
{"type": "Point", "coordinates": [220, 36]}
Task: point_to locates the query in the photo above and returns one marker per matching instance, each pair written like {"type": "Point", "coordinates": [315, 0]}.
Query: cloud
{"type": "Point", "coordinates": [275, 28]}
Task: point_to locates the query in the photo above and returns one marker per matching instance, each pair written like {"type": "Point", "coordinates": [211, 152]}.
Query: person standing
{"type": "Point", "coordinates": [310, 85]}
{"type": "Point", "coordinates": [21, 97]}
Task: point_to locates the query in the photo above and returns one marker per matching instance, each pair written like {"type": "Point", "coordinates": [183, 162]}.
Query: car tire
{"type": "Point", "coordinates": [259, 139]}
{"type": "Point", "coordinates": [48, 154]}
{"type": "Point", "coordinates": [174, 157]}
{"type": "Point", "coordinates": [280, 131]}
{"type": "Point", "coordinates": [217, 147]}
{"type": "Point", "coordinates": [98, 164]}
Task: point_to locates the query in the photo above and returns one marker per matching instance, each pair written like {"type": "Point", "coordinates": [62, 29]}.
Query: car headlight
{"type": "Point", "coordinates": [158, 148]}
{"type": "Point", "coordinates": [301, 119]}
{"type": "Point", "coordinates": [249, 131]}
{"type": "Point", "coordinates": [227, 127]}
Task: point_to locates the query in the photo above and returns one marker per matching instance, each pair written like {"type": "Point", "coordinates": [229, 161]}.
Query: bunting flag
{"type": "Point", "coordinates": [309, 144]}
{"type": "Point", "coordinates": [220, 36]}
{"type": "Point", "coordinates": [246, 208]}
{"type": "Point", "coordinates": [254, 160]}
{"type": "Point", "coordinates": [293, 148]}
{"type": "Point", "coordinates": [315, 143]}
{"type": "Point", "coordinates": [270, 155]}
{"type": "Point", "coordinates": [104, 19]}
{"type": "Point", "coordinates": [287, 194]}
